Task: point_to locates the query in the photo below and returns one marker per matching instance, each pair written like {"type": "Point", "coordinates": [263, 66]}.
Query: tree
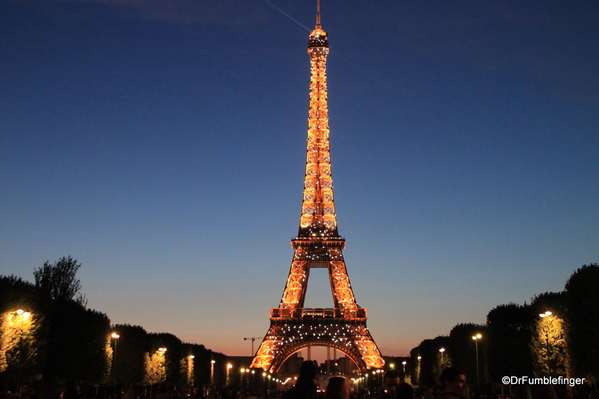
{"type": "Point", "coordinates": [172, 355]}
{"type": "Point", "coordinates": [582, 321]}
{"type": "Point", "coordinates": [463, 349]}
{"type": "Point", "coordinates": [549, 343]}
{"type": "Point", "coordinates": [59, 279]}
{"type": "Point", "coordinates": [510, 328]}
{"type": "Point", "coordinates": [129, 366]}
{"type": "Point", "coordinates": [20, 319]}
{"type": "Point", "coordinates": [432, 360]}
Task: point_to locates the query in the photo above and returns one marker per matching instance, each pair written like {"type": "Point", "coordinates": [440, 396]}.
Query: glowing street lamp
{"type": "Point", "coordinates": [190, 369]}
{"type": "Point", "coordinates": [442, 351]}
{"type": "Point", "coordinates": [404, 366]}
{"type": "Point", "coordinates": [476, 338]}
{"type": "Point", "coordinates": [229, 366]}
{"type": "Point", "coordinates": [115, 338]}
{"type": "Point", "coordinates": [212, 371]}
{"type": "Point", "coordinates": [546, 329]}
{"type": "Point", "coordinates": [22, 317]}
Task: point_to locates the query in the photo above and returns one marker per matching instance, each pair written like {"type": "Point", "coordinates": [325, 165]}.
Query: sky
{"type": "Point", "coordinates": [162, 144]}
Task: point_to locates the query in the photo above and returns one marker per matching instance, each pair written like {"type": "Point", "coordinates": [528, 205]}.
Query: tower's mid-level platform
{"type": "Point", "coordinates": [304, 315]}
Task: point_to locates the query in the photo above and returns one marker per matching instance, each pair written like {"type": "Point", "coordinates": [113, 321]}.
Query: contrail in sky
{"type": "Point", "coordinates": [360, 70]}
{"type": "Point", "coordinates": [285, 14]}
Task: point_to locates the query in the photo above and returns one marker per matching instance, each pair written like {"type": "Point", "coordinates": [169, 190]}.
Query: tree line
{"type": "Point", "coordinates": [556, 334]}
{"type": "Point", "coordinates": [49, 338]}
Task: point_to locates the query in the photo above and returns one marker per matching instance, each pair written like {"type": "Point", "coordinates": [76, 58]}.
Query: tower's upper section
{"type": "Point", "coordinates": [318, 37]}
{"type": "Point", "coordinates": [318, 217]}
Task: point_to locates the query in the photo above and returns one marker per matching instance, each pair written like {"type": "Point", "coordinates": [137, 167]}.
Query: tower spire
{"type": "Point", "coordinates": [318, 13]}
{"type": "Point", "coordinates": [318, 206]}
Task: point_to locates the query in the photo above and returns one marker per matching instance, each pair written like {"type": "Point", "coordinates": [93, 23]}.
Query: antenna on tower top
{"type": "Point", "coordinates": [318, 13]}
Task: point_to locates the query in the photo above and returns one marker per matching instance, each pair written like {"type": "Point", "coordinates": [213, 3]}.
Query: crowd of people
{"type": "Point", "coordinates": [453, 385]}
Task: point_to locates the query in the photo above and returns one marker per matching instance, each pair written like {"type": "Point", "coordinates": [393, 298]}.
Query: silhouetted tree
{"type": "Point", "coordinates": [202, 357]}
{"type": "Point", "coordinates": [582, 321]}
{"type": "Point", "coordinates": [463, 350]}
{"type": "Point", "coordinates": [76, 345]}
{"type": "Point", "coordinates": [59, 279]}
{"type": "Point", "coordinates": [510, 328]}
{"type": "Point", "coordinates": [132, 346]}
{"type": "Point", "coordinates": [432, 361]}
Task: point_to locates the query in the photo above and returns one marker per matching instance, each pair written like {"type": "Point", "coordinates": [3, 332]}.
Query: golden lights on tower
{"type": "Point", "coordinates": [318, 245]}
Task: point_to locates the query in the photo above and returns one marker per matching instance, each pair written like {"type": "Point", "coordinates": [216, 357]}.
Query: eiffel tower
{"type": "Point", "coordinates": [318, 245]}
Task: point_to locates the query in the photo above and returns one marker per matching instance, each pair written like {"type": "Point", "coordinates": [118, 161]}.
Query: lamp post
{"type": "Point", "coordinates": [264, 380]}
{"type": "Point", "coordinates": [162, 354]}
{"type": "Point", "coordinates": [22, 317]}
{"type": "Point", "coordinates": [212, 372]}
{"type": "Point", "coordinates": [476, 338]}
{"type": "Point", "coordinates": [404, 366]}
{"type": "Point", "coordinates": [115, 338]}
{"type": "Point", "coordinates": [442, 350]}
{"type": "Point", "coordinates": [546, 329]}
{"type": "Point", "coordinates": [229, 366]}
{"type": "Point", "coordinates": [418, 371]}
{"type": "Point", "coordinates": [190, 371]}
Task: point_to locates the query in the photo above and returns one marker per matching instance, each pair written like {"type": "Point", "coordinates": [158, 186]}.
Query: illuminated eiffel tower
{"type": "Point", "coordinates": [318, 245]}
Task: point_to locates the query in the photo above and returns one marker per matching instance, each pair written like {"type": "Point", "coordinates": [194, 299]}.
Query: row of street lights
{"type": "Point", "coordinates": [475, 338]}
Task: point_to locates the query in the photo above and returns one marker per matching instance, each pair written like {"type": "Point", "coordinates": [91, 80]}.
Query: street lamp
{"type": "Point", "coordinates": [229, 366]}
{"type": "Point", "coordinates": [115, 338]}
{"type": "Point", "coordinates": [404, 366]}
{"type": "Point", "coordinates": [476, 338]}
{"type": "Point", "coordinates": [546, 329]}
{"type": "Point", "coordinates": [212, 372]}
{"type": "Point", "coordinates": [190, 379]}
{"type": "Point", "coordinates": [442, 351]}
{"type": "Point", "coordinates": [22, 317]}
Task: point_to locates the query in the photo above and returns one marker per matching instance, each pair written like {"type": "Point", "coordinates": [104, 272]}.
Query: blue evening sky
{"type": "Point", "coordinates": [162, 144]}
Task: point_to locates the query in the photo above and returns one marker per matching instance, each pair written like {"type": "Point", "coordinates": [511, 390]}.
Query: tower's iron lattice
{"type": "Point", "coordinates": [318, 245]}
